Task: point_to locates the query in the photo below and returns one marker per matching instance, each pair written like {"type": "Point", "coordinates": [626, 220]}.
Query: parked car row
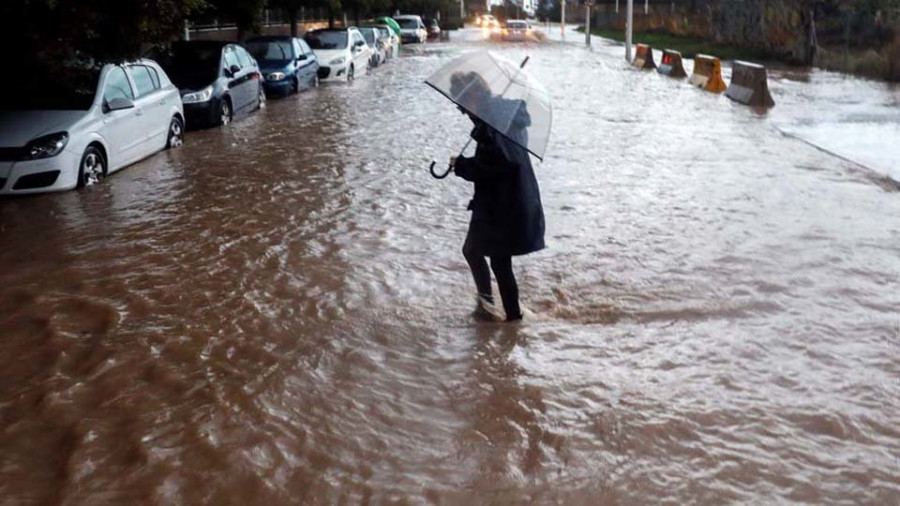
{"type": "Point", "coordinates": [73, 127]}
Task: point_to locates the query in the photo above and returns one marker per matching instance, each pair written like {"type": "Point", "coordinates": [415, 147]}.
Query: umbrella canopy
{"type": "Point", "coordinates": [384, 20]}
{"type": "Point", "coordinates": [500, 93]}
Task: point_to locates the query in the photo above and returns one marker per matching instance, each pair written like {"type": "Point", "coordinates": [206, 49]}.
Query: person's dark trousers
{"type": "Point", "coordinates": [506, 280]}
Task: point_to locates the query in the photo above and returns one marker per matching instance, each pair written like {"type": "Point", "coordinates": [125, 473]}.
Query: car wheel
{"type": "Point", "coordinates": [350, 76]}
{"type": "Point", "coordinates": [261, 103]}
{"type": "Point", "coordinates": [225, 113]}
{"type": "Point", "coordinates": [93, 167]}
{"type": "Point", "coordinates": [176, 133]}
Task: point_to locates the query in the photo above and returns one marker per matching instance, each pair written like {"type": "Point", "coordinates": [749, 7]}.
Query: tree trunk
{"type": "Point", "coordinates": [330, 18]}
{"type": "Point", "coordinates": [356, 15]}
{"type": "Point", "coordinates": [292, 15]}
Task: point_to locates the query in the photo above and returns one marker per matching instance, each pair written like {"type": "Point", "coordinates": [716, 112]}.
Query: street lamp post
{"type": "Point", "coordinates": [587, 22]}
{"type": "Point", "coordinates": [562, 21]}
{"type": "Point", "coordinates": [629, 29]}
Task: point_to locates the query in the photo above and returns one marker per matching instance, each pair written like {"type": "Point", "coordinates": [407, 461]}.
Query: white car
{"type": "Point", "coordinates": [392, 41]}
{"type": "Point", "coordinates": [517, 30]}
{"type": "Point", "coordinates": [81, 124]}
{"type": "Point", "coordinates": [373, 39]}
{"type": "Point", "coordinates": [412, 29]}
{"type": "Point", "coordinates": [342, 53]}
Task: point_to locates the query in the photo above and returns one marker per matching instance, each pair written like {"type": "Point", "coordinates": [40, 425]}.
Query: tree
{"type": "Point", "coordinates": [291, 8]}
{"type": "Point", "coordinates": [104, 30]}
{"type": "Point", "coordinates": [246, 14]}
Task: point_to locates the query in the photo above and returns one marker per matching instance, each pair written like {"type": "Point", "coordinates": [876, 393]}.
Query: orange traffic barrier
{"type": "Point", "coordinates": [672, 64]}
{"type": "Point", "coordinates": [708, 74]}
{"type": "Point", "coordinates": [644, 57]}
{"type": "Point", "coordinates": [750, 85]}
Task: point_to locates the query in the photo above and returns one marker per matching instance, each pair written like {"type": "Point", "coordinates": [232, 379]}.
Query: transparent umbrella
{"type": "Point", "coordinates": [499, 93]}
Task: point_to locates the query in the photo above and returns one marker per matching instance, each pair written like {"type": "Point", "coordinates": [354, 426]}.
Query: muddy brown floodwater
{"type": "Point", "coordinates": [279, 312]}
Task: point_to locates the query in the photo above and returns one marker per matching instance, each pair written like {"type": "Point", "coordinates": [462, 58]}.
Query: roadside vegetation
{"type": "Point", "coordinates": [688, 46]}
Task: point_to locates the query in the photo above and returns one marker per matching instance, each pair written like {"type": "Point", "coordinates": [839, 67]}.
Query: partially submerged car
{"type": "Point", "coordinates": [218, 80]}
{"type": "Point", "coordinates": [76, 125]}
{"type": "Point", "coordinates": [287, 64]}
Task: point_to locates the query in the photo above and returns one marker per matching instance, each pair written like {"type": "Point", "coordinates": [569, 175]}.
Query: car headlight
{"type": "Point", "coordinates": [198, 96]}
{"type": "Point", "coordinates": [338, 61]}
{"type": "Point", "coordinates": [46, 146]}
{"type": "Point", "coordinates": [275, 76]}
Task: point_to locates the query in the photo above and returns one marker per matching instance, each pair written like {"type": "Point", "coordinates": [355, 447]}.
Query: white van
{"type": "Point", "coordinates": [412, 29]}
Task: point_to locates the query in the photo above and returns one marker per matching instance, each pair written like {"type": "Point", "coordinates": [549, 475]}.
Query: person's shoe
{"type": "Point", "coordinates": [524, 314]}
{"type": "Point", "coordinates": [486, 310]}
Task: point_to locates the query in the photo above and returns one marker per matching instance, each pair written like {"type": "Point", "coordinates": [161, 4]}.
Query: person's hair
{"type": "Point", "coordinates": [469, 86]}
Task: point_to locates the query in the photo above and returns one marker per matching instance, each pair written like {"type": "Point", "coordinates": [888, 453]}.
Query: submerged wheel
{"type": "Point", "coordinates": [225, 113]}
{"type": "Point", "coordinates": [176, 133]}
{"type": "Point", "coordinates": [350, 76]}
{"type": "Point", "coordinates": [261, 104]}
{"type": "Point", "coordinates": [93, 167]}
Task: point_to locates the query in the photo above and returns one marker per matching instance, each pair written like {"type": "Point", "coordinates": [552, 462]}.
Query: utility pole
{"type": "Point", "coordinates": [629, 28]}
{"type": "Point", "coordinates": [462, 10]}
{"type": "Point", "coordinates": [587, 23]}
{"type": "Point", "coordinates": [646, 6]}
{"type": "Point", "coordinates": [617, 6]}
{"type": "Point", "coordinates": [562, 22]}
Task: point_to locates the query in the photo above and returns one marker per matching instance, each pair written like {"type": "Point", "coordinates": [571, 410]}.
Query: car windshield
{"type": "Point", "coordinates": [270, 50]}
{"type": "Point", "coordinates": [408, 24]}
{"type": "Point", "coordinates": [65, 88]}
{"type": "Point", "coordinates": [189, 64]}
{"type": "Point", "coordinates": [369, 35]}
{"type": "Point", "coordinates": [327, 40]}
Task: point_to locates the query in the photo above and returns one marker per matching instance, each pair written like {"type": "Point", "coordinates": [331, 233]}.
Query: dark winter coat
{"type": "Point", "coordinates": [507, 215]}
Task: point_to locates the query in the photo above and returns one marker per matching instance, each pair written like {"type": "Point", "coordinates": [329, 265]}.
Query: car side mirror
{"type": "Point", "coordinates": [301, 57]}
{"type": "Point", "coordinates": [118, 104]}
{"type": "Point", "coordinates": [234, 69]}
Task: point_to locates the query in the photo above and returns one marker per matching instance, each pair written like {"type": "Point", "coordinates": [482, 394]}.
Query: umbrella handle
{"type": "Point", "coordinates": [439, 176]}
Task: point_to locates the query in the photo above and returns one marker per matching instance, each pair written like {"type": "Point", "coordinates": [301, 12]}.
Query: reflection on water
{"type": "Point", "coordinates": [279, 313]}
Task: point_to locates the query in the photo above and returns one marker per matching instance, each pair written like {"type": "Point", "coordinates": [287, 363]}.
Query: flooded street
{"type": "Point", "coordinates": [279, 312]}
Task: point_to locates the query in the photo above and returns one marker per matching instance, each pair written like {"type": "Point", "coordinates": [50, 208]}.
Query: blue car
{"type": "Point", "coordinates": [287, 64]}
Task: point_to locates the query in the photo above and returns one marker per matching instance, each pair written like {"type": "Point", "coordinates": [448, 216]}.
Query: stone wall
{"type": "Point", "coordinates": [230, 34]}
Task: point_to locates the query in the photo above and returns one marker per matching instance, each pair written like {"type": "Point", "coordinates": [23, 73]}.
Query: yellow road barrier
{"type": "Point", "coordinates": [644, 57]}
{"type": "Point", "coordinates": [672, 64]}
{"type": "Point", "coordinates": [708, 74]}
{"type": "Point", "coordinates": [750, 85]}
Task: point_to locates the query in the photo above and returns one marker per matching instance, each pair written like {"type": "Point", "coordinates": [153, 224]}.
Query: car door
{"type": "Point", "coordinates": [308, 67]}
{"type": "Point", "coordinates": [152, 101]}
{"type": "Point", "coordinates": [251, 75]}
{"type": "Point", "coordinates": [122, 129]}
{"type": "Point", "coordinates": [360, 51]}
{"type": "Point", "coordinates": [236, 76]}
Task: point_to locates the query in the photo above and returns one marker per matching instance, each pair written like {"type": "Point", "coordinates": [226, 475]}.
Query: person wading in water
{"type": "Point", "coordinates": [507, 215]}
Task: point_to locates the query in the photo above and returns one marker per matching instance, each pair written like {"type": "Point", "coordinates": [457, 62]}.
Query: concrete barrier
{"type": "Point", "coordinates": [750, 85]}
{"type": "Point", "coordinates": [643, 59]}
{"type": "Point", "coordinates": [708, 74]}
{"type": "Point", "coordinates": [672, 64]}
